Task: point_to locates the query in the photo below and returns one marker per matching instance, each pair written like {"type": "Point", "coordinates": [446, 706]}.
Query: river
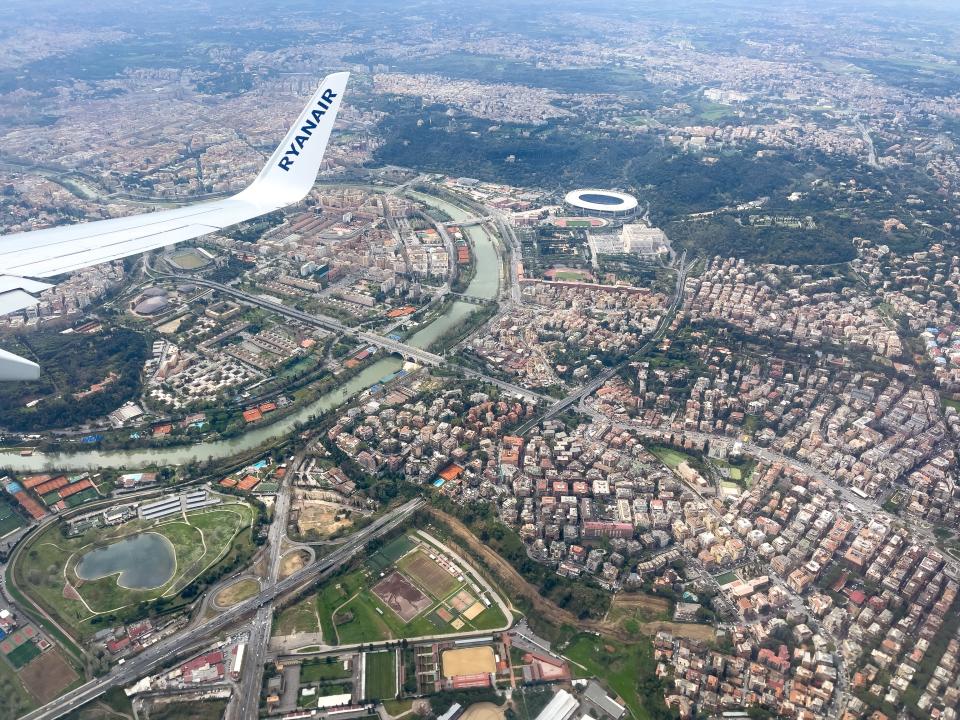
{"type": "Point", "coordinates": [485, 284]}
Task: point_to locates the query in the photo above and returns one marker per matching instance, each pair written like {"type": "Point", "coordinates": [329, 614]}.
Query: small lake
{"type": "Point", "coordinates": [144, 561]}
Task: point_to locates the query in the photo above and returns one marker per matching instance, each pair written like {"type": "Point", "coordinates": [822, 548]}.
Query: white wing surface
{"type": "Point", "coordinates": [286, 178]}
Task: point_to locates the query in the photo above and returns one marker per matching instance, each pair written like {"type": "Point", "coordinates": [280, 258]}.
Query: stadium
{"type": "Point", "coordinates": [601, 203]}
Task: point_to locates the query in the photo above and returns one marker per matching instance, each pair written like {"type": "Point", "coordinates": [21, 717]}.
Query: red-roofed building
{"type": "Point", "coordinates": [252, 415]}
{"type": "Point", "coordinates": [115, 646]}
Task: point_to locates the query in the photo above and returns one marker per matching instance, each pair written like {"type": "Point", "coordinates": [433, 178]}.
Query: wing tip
{"type": "Point", "coordinates": [15, 368]}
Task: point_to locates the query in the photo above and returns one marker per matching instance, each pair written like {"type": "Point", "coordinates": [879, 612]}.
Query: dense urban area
{"type": "Point", "coordinates": [609, 371]}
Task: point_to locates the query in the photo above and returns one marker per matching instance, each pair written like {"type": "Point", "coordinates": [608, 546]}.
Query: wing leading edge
{"type": "Point", "coordinates": [286, 178]}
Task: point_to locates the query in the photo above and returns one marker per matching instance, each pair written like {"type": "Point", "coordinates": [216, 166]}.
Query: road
{"type": "Point", "coordinates": [169, 649]}
{"type": "Point", "coordinates": [247, 702]}
{"type": "Point", "coordinates": [509, 387]}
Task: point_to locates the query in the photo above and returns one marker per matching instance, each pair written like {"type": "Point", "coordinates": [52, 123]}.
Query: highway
{"type": "Point", "coordinates": [407, 351]}
{"type": "Point", "coordinates": [166, 651]}
{"type": "Point", "coordinates": [503, 385]}
{"type": "Point", "coordinates": [247, 701]}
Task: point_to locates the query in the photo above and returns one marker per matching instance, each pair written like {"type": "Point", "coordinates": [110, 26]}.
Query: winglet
{"type": "Point", "coordinates": [14, 367]}
{"type": "Point", "coordinates": [292, 169]}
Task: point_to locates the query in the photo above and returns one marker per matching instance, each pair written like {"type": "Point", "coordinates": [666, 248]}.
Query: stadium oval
{"type": "Point", "coordinates": [594, 201]}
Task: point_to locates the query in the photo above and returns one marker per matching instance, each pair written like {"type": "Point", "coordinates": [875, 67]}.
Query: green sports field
{"type": "Point", "coordinates": [381, 675]}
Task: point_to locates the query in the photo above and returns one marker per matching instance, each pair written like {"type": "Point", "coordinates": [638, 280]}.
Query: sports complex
{"type": "Point", "coordinates": [601, 203]}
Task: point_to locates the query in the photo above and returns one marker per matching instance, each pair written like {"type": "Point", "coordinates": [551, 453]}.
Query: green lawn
{"type": "Point", "coordinates": [626, 669]}
{"type": "Point", "coordinates": [490, 619]}
{"type": "Point", "coordinates": [381, 675]}
{"type": "Point", "coordinates": [440, 588]}
{"type": "Point", "coordinates": [317, 671]}
{"type": "Point", "coordinates": [349, 612]}
{"type": "Point", "coordinates": [300, 617]}
{"type": "Point", "coordinates": [669, 457]}
{"type": "Point", "coordinates": [16, 699]}
{"type": "Point", "coordinates": [9, 519]}
{"type": "Point", "coordinates": [398, 707]}
{"type": "Point", "coordinates": [199, 543]}
{"type": "Point", "coordinates": [23, 654]}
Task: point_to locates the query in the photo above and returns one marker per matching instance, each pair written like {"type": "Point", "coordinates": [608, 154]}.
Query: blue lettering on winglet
{"type": "Point", "coordinates": [306, 130]}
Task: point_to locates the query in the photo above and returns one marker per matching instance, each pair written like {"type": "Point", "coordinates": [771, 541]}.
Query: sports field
{"type": "Point", "coordinates": [381, 675]}
{"type": "Point", "coordinates": [428, 574]}
{"type": "Point", "coordinates": [483, 711]}
{"type": "Point", "coordinates": [398, 593]}
{"type": "Point", "coordinates": [188, 259]}
{"type": "Point", "coordinates": [468, 661]}
{"type": "Point", "coordinates": [9, 519]}
{"type": "Point", "coordinates": [48, 676]}
{"type": "Point", "coordinates": [401, 596]}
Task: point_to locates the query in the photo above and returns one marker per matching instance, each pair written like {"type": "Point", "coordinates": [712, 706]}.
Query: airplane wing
{"type": "Point", "coordinates": [286, 178]}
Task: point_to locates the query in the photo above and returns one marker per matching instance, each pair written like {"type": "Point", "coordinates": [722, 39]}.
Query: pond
{"type": "Point", "coordinates": [144, 561]}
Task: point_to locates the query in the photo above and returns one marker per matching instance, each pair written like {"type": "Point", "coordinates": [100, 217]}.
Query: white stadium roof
{"type": "Point", "coordinates": [603, 201]}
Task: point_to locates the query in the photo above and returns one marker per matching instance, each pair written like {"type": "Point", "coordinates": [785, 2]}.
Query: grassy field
{"type": "Point", "coordinates": [49, 562]}
{"type": "Point", "coordinates": [370, 619]}
{"type": "Point", "coordinates": [346, 611]}
{"type": "Point", "coordinates": [23, 654]}
{"type": "Point", "coordinates": [669, 457]}
{"type": "Point", "coordinates": [319, 671]}
{"type": "Point", "coordinates": [189, 259]}
{"type": "Point", "coordinates": [301, 617]}
{"type": "Point", "coordinates": [9, 519]}
{"type": "Point", "coordinates": [237, 592]}
{"type": "Point", "coordinates": [427, 574]}
{"type": "Point", "coordinates": [398, 707]}
{"type": "Point", "coordinates": [16, 700]}
{"type": "Point", "coordinates": [623, 668]}
{"type": "Point", "coordinates": [381, 675]}
{"type": "Point", "coordinates": [206, 710]}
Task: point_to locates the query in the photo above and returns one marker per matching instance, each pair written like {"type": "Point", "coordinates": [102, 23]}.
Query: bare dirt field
{"type": "Point", "coordinates": [468, 661]}
{"type": "Point", "coordinates": [483, 711]}
{"type": "Point", "coordinates": [401, 596]}
{"type": "Point", "coordinates": [322, 517]}
{"type": "Point", "coordinates": [48, 676]}
{"type": "Point", "coordinates": [462, 600]}
{"type": "Point", "coordinates": [291, 562]}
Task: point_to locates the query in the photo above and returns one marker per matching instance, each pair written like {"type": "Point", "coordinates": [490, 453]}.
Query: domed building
{"type": "Point", "coordinates": [601, 203]}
